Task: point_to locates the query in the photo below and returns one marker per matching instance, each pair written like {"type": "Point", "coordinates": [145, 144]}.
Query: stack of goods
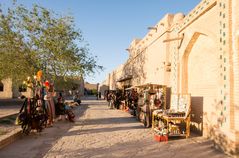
{"type": "Point", "coordinates": [173, 113]}
{"type": "Point", "coordinates": [160, 132]}
{"type": "Point", "coordinates": [174, 129]}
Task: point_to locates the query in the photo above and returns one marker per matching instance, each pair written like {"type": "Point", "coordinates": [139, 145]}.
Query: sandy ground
{"type": "Point", "coordinates": [101, 132]}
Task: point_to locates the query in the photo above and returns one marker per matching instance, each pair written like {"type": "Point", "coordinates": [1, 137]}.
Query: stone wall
{"type": "Point", "coordinates": [197, 54]}
{"type": "Point", "coordinates": [199, 65]}
{"type": "Point", "coordinates": [7, 89]}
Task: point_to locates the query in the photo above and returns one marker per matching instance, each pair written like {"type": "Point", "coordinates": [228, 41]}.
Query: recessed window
{"type": "Point", "coordinates": [1, 87]}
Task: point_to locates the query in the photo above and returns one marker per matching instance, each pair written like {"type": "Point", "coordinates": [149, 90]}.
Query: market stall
{"type": "Point", "coordinates": [176, 120]}
{"type": "Point", "coordinates": [131, 100]}
{"type": "Point", "coordinates": [151, 97]}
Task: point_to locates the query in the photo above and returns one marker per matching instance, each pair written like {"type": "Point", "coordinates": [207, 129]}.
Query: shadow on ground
{"type": "Point", "coordinates": [110, 120]}
{"type": "Point", "coordinates": [38, 144]}
{"type": "Point", "coordinates": [103, 130]}
{"type": "Point", "coordinates": [147, 148]}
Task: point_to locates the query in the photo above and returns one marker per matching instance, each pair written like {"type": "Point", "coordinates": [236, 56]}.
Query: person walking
{"type": "Point", "coordinates": [60, 107]}
{"type": "Point", "coordinates": [50, 106]}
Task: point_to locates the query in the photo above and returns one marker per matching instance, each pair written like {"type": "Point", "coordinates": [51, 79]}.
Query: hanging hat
{"type": "Point", "coordinates": [39, 75]}
{"type": "Point", "coordinates": [47, 84]}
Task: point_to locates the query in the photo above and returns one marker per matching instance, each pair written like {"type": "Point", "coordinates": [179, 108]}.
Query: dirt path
{"type": "Point", "coordinates": [101, 132]}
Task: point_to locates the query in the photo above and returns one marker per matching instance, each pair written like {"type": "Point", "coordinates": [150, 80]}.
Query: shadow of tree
{"type": "Point", "coordinates": [135, 67]}
{"type": "Point", "coordinates": [38, 144]}
{"type": "Point", "coordinates": [59, 128]}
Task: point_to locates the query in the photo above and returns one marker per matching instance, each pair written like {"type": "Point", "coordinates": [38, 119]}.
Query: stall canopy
{"type": "Point", "coordinates": [152, 85]}
{"type": "Point", "coordinates": [125, 78]}
{"type": "Point", "coordinates": [132, 87]}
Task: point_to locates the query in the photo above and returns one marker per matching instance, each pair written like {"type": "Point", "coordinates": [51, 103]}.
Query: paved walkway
{"type": "Point", "coordinates": [100, 133]}
{"type": "Point", "coordinates": [6, 111]}
{"type": "Point", "coordinates": [9, 107]}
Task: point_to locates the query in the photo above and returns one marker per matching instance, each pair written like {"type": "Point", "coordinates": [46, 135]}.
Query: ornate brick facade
{"type": "Point", "coordinates": [197, 54]}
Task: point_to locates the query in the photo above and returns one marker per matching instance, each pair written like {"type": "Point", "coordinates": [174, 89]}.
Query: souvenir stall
{"type": "Point", "coordinates": [151, 97]}
{"type": "Point", "coordinates": [174, 121]}
{"type": "Point", "coordinates": [130, 100]}
{"type": "Point", "coordinates": [111, 98]}
{"type": "Point", "coordinates": [33, 113]}
{"type": "Point", "coordinates": [123, 87]}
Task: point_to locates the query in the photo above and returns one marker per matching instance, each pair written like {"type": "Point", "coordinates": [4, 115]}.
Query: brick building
{"type": "Point", "coordinates": [197, 53]}
{"type": "Point", "coordinates": [9, 89]}
{"type": "Point", "coordinates": [90, 88]}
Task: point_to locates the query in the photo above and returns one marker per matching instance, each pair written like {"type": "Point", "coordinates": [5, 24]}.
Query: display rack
{"type": "Point", "coordinates": [152, 97]}
{"type": "Point", "coordinates": [176, 120]}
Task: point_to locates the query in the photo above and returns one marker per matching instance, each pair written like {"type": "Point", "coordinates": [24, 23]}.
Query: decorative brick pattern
{"type": "Point", "coordinates": [203, 49]}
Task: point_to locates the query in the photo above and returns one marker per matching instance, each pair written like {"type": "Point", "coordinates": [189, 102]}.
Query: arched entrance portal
{"type": "Point", "coordinates": [201, 78]}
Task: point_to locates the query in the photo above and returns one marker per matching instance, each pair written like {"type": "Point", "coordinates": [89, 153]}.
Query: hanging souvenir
{"type": "Point", "coordinates": [39, 75]}
{"type": "Point", "coordinates": [47, 84]}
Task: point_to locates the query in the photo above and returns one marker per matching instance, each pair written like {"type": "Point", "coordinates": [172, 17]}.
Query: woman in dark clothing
{"type": "Point", "coordinates": [60, 107]}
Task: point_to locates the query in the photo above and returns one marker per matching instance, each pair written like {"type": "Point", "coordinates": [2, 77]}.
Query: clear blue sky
{"type": "Point", "coordinates": [110, 25]}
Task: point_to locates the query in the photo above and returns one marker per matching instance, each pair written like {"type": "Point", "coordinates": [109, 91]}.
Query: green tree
{"type": "Point", "coordinates": [37, 38]}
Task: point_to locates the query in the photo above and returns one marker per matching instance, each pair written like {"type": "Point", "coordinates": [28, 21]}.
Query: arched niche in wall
{"type": "Point", "coordinates": [184, 79]}
{"type": "Point", "coordinates": [200, 76]}
{"type": "Point", "coordinates": [1, 86]}
{"type": "Point", "coordinates": [200, 63]}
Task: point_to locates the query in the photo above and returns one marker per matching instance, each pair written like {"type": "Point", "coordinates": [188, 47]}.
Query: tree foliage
{"type": "Point", "coordinates": [37, 38]}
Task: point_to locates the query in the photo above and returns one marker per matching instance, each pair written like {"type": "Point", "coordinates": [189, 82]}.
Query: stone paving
{"type": "Point", "coordinates": [6, 111]}
{"type": "Point", "coordinates": [8, 107]}
{"type": "Point", "coordinates": [102, 132]}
